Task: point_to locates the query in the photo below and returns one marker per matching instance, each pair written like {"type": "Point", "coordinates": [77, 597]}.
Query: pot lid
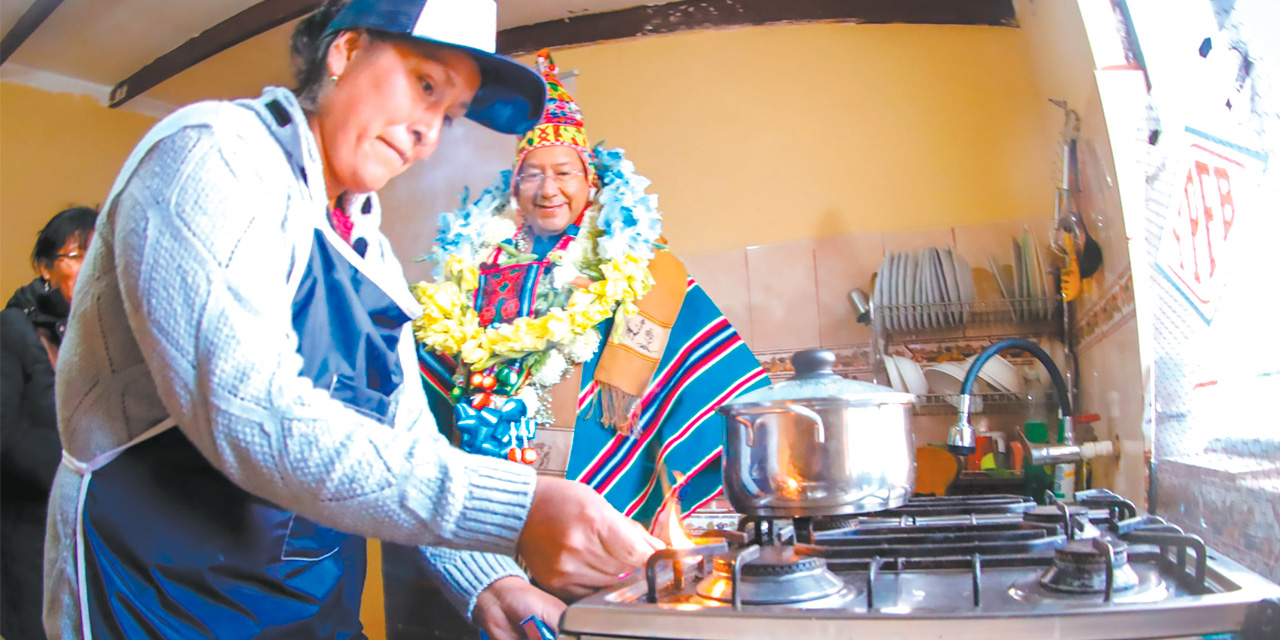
{"type": "Point", "coordinates": [815, 380]}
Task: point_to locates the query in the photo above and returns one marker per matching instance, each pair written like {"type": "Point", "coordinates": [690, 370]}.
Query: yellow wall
{"type": "Point", "coordinates": [751, 136]}
{"type": "Point", "coordinates": [766, 134]}
{"type": "Point", "coordinates": [56, 150]}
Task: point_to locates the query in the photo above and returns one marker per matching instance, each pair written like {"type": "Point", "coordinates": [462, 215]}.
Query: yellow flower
{"type": "Point", "coordinates": [449, 324]}
{"type": "Point", "coordinates": [469, 278]}
{"type": "Point", "coordinates": [475, 350]}
{"type": "Point", "coordinates": [559, 325]}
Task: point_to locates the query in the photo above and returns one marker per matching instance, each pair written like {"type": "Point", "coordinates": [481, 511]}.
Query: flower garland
{"type": "Point", "coordinates": [618, 235]}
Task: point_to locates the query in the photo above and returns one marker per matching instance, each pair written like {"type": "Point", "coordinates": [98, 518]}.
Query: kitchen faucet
{"type": "Point", "coordinates": [960, 439]}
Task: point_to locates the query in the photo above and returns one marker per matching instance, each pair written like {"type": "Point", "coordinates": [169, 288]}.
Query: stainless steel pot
{"type": "Point", "coordinates": [818, 444]}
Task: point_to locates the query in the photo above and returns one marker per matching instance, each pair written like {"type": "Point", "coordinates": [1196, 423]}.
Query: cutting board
{"type": "Point", "coordinates": [935, 469]}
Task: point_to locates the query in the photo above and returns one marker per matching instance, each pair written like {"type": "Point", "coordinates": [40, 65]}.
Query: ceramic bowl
{"type": "Point", "coordinates": [1000, 374]}
{"type": "Point", "coordinates": [912, 375]}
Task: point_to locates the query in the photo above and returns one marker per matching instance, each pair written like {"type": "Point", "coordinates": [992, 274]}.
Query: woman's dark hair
{"type": "Point", "coordinates": [74, 223]}
{"type": "Point", "coordinates": [309, 50]}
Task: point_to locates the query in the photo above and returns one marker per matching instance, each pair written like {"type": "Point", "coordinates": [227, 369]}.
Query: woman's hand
{"type": "Point", "coordinates": [574, 542]}
{"type": "Point", "coordinates": [507, 602]}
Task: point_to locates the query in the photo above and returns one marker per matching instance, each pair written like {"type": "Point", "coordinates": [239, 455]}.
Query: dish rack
{"type": "Point", "coordinates": [937, 404]}
{"type": "Point", "coordinates": [1018, 316]}
{"type": "Point", "coordinates": [994, 319]}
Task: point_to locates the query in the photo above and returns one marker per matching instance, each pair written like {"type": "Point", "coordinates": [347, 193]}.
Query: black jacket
{"type": "Point", "coordinates": [28, 425]}
{"type": "Point", "coordinates": [31, 450]}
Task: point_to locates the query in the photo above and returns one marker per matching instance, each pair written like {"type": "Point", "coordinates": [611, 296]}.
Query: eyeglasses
{"type": "Point", "coordinates": [530, 182]}
{"type": "Point", "coordinates": [74, 255]}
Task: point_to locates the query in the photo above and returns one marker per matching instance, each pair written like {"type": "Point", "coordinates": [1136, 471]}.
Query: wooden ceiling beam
{"type": "Point", "coordinates": [716, 14]}
{"type": "Point", "coordinates": [36, 14]}
{"type": "Point", "coordinates": [684, 15]}
{"type": "Point", "coordinates": [259, 18]}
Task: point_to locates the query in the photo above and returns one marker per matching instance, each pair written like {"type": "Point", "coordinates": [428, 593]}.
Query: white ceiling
{"type": "Point", "coordinates": [102, 43]}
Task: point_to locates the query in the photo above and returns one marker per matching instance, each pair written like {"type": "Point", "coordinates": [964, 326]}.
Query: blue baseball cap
{"type": "Point", "coordinates": [511, 96]}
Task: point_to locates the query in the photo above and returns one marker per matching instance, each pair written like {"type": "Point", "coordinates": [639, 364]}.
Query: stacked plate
{"type": "Point", "coordinates": [1029, 290]}
{"type": "Point", "coordinates": [923, 290]}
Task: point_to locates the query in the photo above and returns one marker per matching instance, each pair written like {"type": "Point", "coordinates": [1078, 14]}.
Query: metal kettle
{"type": "Point", "coordinates": [818, 444]}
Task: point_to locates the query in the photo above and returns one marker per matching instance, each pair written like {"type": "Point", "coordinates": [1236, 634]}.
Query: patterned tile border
{"type": "Point", "coordinates": [1112, 309]}
{"type": "Point", "coordinates": [854, 361]}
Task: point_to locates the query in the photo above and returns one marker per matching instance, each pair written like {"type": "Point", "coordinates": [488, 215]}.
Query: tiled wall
{"type": "Point", "coordinates": [1111, 380]}
{"type": "Point", "coordinates": [789, 296]}
{"type": "Point", "coordinates": [795, 295]}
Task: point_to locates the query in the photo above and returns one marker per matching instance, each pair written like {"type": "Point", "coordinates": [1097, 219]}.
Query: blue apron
{"type": "Point", "coordinates": [173, 549]}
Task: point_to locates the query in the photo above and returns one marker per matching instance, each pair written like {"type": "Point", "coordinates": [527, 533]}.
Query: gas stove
{"type": "Point", "coordinates": [948, 567]}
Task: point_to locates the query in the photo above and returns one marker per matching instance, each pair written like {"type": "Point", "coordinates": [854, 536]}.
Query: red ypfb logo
{"type": "Point", "coordinates": [1195, 251]}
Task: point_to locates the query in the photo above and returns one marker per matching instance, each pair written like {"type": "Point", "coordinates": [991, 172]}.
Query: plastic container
{"type": "Point", "coordinates": [1064, 481]}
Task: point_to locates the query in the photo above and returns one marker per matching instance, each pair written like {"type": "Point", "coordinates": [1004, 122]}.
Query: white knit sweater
{"type": "Point", "coordinates": [183, 309]}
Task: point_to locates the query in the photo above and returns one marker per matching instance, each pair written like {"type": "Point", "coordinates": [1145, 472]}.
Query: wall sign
{"type": "Point", "coordinates": [1198, 246]}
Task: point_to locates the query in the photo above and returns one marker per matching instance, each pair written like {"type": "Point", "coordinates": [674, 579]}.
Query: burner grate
{"type": "Point", "coordinates": [928, 507]}
{"type": "Point", "coordinates": [1088, 543]}
{"type": "Point", "coordinates": [852, 548]}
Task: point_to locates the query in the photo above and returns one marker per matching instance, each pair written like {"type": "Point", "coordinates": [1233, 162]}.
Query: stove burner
{"type": "Point", "coordinates": [830, 523]}
{"type": "Point", "coordinates": [776, 576]}
{"type": "Point", "coordinates": [1081, 567]}
{"type": "Point", "coordinates": [763, 568]}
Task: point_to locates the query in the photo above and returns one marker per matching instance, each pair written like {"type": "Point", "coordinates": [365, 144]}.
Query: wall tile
{"type": "Point", "coordinates": [784, 296]}
{"type": "Point", "coordinates": [723, 276]}
{"type": "Point", "coordinates": [917, 239]}
{"type": "Point", "coordinates": [1111, 385]}
{"type": "Point", "coordinates": [844, 263]}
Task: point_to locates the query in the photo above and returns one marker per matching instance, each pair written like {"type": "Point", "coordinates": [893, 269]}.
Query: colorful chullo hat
{"type": "Point", "coordinates": [561, 123]}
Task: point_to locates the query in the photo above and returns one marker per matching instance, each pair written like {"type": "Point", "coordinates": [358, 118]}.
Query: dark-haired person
{"type": "Point", "coordinates": [232, 387]}
{"type": "Point", "coordinates": [31, 328]}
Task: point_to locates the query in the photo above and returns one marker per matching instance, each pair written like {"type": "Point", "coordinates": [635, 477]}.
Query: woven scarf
{"type": "Point", "coordinates": [637, 341]}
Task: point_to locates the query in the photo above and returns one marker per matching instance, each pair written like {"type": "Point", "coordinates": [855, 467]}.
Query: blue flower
{"type": "Point", "coordinates": [629, 218]}
{"type": "Point", "coordinates": [460, 230]}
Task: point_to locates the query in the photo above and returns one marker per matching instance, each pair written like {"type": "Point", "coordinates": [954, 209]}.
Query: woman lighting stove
{"type": "Point", "coordinates": [231, 388]}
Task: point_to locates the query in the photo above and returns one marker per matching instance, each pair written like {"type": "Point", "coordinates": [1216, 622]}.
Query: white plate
{"type": "Point", "coordinates": [952, 285]}
{"type": "Point", "coordinates": [1019, 287]}
{"type": "Point", "coordinates": [916, 317]}
{"type": "Point", "coordinates": [923, 317]}
{"type": "Point", "coordinates": [1006, 288]}
{"type": "Point", "coordinates": [1045, 289]}
{"type": "Point", "coordinates": [1000, 374]}
{"type": "Point", "coordinates": [912, 375]}
{"type": "Point", "coordinates": [1035, 285]}
{"type": "Point", "coordinates": [964, 278]}
{"type": "Point", "coordinates": [936, 288]}
{"type": "Point", "coordinates": [946, 378]}
{"type": "Point", "coordinates": [886, 274]}
{"type": "Point", "coordinates": [878, 295]}
{"type": "Point", "coordinates": [906, 289]}
{"type": "Point", "coordinates": [941, 314]}
{"type": "Point", "coordinates": [1028, 259]}
{"type": "Point", "coordinates": [895, 291]}
{"type": "Point", "coordinates": [895, 376]}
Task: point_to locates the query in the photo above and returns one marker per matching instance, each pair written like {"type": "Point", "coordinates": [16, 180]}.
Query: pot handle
{"type": "Point", "coordinates": [749, 423]}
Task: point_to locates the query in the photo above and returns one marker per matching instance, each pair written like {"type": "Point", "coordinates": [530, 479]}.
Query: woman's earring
{"type": "Point", "coordinates": [333, 79]}
{"type": "Point", "coordinates": [46, 284]}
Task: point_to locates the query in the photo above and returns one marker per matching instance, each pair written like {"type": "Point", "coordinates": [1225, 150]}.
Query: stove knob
{"type": "Point", "coordinates": [1262, 621]}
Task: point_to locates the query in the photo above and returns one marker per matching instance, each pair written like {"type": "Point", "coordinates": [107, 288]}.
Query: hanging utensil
{"type": "Point", "coordinates": [1090, 258]}
{"type": "Point", "coordinates": [1070, 278]}
{"type": "Point", "coordinates": [1063, 221]}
